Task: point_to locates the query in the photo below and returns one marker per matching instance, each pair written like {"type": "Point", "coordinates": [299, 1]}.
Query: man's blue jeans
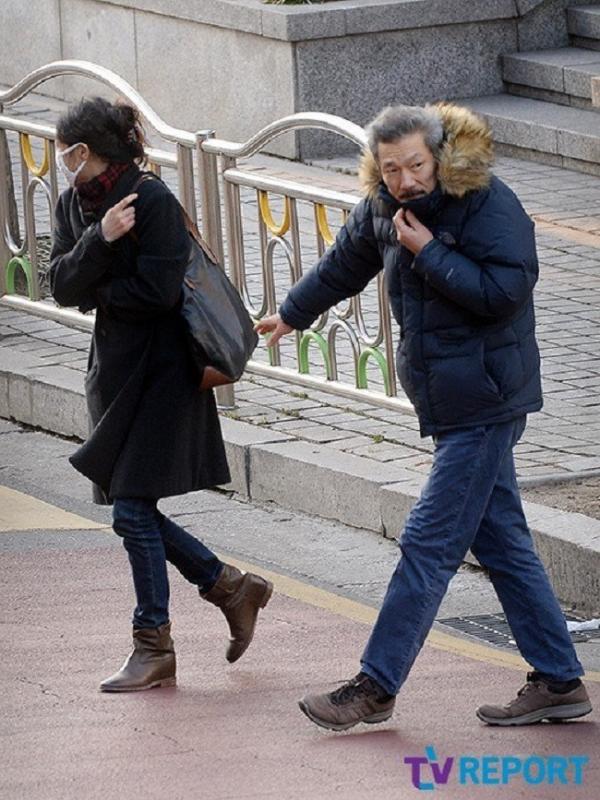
{"type": "Point", "coordinates": [471, 500]}
{"type": "Point", "coordinates": [151, 539]}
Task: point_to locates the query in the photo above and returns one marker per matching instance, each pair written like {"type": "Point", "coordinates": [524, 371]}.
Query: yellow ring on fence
{"type": "Point", "coordinates": [323, 224]}
{"type": "Point", "coordinates": [265, 210]}
{"type": "Point", "coordinates": [28, 158]}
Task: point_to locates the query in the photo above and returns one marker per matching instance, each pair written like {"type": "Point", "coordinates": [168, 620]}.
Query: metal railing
{"type": "Point", "coordinates": [285, 236]}
{"type": "Point", "coordinates": [259, 252]}
{"type": "Point", "coordinates": [20, 252]}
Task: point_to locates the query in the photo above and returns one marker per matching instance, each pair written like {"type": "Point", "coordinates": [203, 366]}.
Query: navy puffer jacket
{"type": "Point", "coordinates": [467, 353]}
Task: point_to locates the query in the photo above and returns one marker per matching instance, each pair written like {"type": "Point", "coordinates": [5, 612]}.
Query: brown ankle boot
{"type": "Point", "coordinates": [239, 595]}
{"type": "Point", "coordinates": [152, 662]}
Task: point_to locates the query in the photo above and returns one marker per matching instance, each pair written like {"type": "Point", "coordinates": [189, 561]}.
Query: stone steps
{"type": "Point", "coordinates": [584, 26]}
{"type": "Point", "coordinates": [564, 75]}
{"type": "Point", "coordinates": [551, 111]}
{"type": "Point", "coordinates": [561, 76]}
{"type": "Point", "coordinates": [541, 131]}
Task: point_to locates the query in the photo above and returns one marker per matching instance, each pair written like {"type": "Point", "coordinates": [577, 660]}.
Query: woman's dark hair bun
{"type": "Point", "coordinates": [130, 131]}
{"type": "Point", "coordinates": [112, 131]}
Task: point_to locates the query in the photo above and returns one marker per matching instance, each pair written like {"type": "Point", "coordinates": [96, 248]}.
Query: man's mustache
{"type": "Point", "coordinates": [410, 195]}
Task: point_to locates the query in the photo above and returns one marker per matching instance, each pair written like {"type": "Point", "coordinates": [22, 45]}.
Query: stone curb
{"type": "Point", "coordinates": [267, 466]}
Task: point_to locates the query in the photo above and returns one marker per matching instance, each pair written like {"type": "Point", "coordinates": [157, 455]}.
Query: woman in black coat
{"type": "Point", "coordinates": [121, 247]}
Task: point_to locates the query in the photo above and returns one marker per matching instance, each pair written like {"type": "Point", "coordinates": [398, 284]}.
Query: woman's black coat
{"type": "Point", "coordinates": [154, 433]}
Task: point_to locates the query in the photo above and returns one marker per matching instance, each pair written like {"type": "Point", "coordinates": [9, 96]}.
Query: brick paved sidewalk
{"type": "Point", "coordinates": [563, 439]}
{"type": "Point", "coordinates": [551, 444]}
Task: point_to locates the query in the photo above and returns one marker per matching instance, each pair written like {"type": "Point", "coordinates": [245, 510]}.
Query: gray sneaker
{"type": "Point", "coordinates": [536, 702]}
{"type": "Point", "coordinates": [358, 700]}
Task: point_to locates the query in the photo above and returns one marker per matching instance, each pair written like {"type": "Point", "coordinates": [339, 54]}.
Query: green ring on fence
{"type": "Point", "coordinates": [270, 350]}
{"type": "Point", "coordinates": [11, 269]}
{"type": "Point", "coordinates": [271, 354]}
{"type": "Point", "coordinates": [308, 337]}
{"type": "Point", "coordinates": [371, 352]}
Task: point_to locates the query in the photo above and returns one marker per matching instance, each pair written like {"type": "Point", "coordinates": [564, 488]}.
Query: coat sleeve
{"type": "Point", "coordinates": [77, 266]}
{"type": "Point", "coordinates": [163, 251]}
{"type": "Point", "coordinates": [494, 274]}
{"type": "Point", "coordinates": [343, 271]}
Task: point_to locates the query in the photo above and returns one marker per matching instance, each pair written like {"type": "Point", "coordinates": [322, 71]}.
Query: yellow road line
{"type": "Point", "coordinates": [351, 609]}
{"type": "Point", "coordinates": [576, 235]}
{"type": "Point", "coordinates": [21, 512]}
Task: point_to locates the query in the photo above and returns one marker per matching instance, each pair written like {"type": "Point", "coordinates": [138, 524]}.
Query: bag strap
{"type": "Point", "coordinates": [145, 176]}
{"type": "Point", "coordinates": [189, 223]}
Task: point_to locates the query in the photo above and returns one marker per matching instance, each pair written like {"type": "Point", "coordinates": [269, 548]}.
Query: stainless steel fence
{"type": "Point", "coordinates": [345, 351]}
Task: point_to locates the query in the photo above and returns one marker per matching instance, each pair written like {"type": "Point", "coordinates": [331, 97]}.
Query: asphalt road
{"type": "Point", "coordinates": [236, 732]}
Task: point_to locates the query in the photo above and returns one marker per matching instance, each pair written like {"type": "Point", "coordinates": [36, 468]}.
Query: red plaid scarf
{"type": "Point", "coordinates": [93, 193]}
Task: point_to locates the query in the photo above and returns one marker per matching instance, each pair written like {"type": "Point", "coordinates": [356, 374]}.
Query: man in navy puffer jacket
{"type": "Point", "coordinates": [460, 263]}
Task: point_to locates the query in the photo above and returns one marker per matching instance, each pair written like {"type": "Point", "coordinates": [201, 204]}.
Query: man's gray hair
{"type": "Point", "coordinates": [394, 122]}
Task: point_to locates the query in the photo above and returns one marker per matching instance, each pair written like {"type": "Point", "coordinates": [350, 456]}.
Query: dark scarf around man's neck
{"type": "Point", "coordinates": [424, 208]}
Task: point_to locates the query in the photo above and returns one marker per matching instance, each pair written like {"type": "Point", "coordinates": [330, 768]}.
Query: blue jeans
{"type": "Point", "coordinates": [471, 500]}
{"type": "Point", "coordinates": [151, 539]}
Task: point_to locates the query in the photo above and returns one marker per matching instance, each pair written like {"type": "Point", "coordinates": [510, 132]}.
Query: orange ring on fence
{"type": "Point", "coordinates": [323, 224]}
{"type": "Point", "coordinates": [28, 158]}
{"type": "Point", "coordinates": [265, 210]}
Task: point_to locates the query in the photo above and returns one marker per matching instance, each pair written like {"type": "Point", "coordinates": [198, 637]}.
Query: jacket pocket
{"type": "Point", "coordinates": [504, 367]}
{"type": "Point", "coordinates": [459, 386]}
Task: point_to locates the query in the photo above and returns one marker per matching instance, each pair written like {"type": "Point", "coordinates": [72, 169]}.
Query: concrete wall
{"type": "Point", "coordinates": [406, 66]}
{"type": "Point", "coordinates": [236, 65]}
{"type": "Point", "coordinates": [194, 75]}
{"type": "Point", "coordinates": [29, 37]}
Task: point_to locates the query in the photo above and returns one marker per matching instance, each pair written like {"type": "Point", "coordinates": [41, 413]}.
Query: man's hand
{"type": "Point", "coordinates": [275, 326]}
{"type": "Point", "coordinates": [119, 219]}
{"type": "Point", "coordinates": [411, 233]}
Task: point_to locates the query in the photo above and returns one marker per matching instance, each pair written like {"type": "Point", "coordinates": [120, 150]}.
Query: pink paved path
{"type": "Point", "coordinates": [228, 731]}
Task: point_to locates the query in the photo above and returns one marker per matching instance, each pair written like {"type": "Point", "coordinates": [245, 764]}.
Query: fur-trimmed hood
{"type": "Point", "coordinates": [466, 157]}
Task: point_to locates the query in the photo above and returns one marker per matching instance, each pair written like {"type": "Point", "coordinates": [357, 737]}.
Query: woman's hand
{"type": "Point", "coordinates": [410, 232]}
{"type": "Point", "coordinates": [275, 326]}
{"type": "Point", "coordinates": [119, 219]}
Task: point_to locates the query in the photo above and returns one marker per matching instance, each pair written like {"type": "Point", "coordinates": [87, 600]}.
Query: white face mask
{"type": "Point", "coordinates": [70, 175]}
